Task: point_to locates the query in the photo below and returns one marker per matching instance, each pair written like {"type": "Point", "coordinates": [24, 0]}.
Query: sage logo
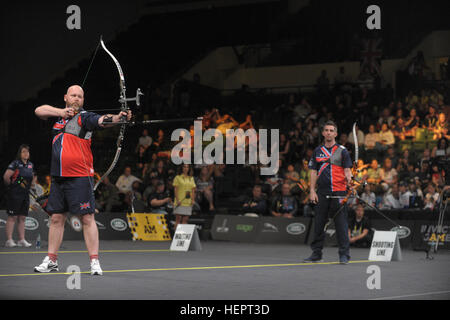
{"type": "Point", "coordinates": [118, 224]}
{"type": "Point", "coordinates": [31, 223]}
{"type": "Point", "coordinates": [244, 227]}
{"type": "Point", "coordinates": [402, 232]}
{"type": "Point", "coordinates": [296, 228]}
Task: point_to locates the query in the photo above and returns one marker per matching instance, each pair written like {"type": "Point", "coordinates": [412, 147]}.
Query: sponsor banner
{"type": "Point", "coordinates": [285, 230]}
{"type": "Point", "coordinates": [235, 228]}
{"type": "Point", "coordinates": [404, 234]}
{"type": "Point", "coordinates": [330, 235]}
{"type": "Point", "coordinates": [111, 226]}
{"type": "Point", "coordinates": [427, 233]}
{"type": "Point", "coordinates": [35, 223]}
{"type": "Point", "coordinates": [260, 229]}
{"type": "Point", "coordinates": [148, 226]}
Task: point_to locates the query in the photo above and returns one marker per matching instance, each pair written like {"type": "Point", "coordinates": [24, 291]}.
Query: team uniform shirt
{"type": "Point", "coordinates": [71, 155]}
{"type": "Point", "coordinates": [331, 177]}
{"type": "Point", "coordinates": [22, 177]}
{"type": "Point", "coordinates": [18, 199]}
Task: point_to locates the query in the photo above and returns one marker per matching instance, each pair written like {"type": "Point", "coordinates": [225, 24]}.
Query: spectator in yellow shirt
{"type": "Point", "coordinates": [184, 186]}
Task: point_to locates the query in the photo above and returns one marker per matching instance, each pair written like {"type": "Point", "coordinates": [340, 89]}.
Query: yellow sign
{"type": "Point", "coordinates": [148, 226]}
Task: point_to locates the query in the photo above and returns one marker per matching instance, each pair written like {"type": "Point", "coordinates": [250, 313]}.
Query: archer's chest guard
{"type": "Point", "coordinates": [336, 157]}
{"type": "Point", "coordinates": [73, 127]}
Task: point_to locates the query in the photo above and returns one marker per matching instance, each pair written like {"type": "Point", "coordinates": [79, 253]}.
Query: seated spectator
{"type": "Point", "coordinates": [205, 186]}
{"type": "Point", "coordinates": [108, 196]}
{"type": "Point", "coordinates": [160, 171]}
{"type": "Point", "coordinates": [361, 170]}
{"type": "Point", "coordinates": [389, 175]}
{"type": "Point", "coordinates": [302, 110]}
{"type": "Point", "coordinates": [409, 173]}
{"type": "Point", "coordinates": [425, 173]}
{"type": "Point", "coordinates": [125, 181]}
{"type": "Point", "coordinates": [411, 124]}
{"type": "Point", "coordinates": [387, 138]}
{"type": "Point", "coordinates": [431, 197]}
{"type": "Point", "coordinates": [430, 120]}
{"type": "Point", "coordinates": [374, 173]}
{"type": "Point", "coordinates": [256, 203]}
{"type": "Point", "coordinates": [368, 196]}
{"type": "Point", "coordinates": [47, 184]}
{"type": "Point", "coordinates": [160, 144]}
{"type": "Point", "coordinates": [359, 229]}
{"type": "Point", "coordinates": [437, 177]}
{"type": "Point", "coordinates": [399, 129]}
{"type": "Point", "coordinates": [141, 159]}
{"type": "Point", "coordinates": [343, 140]}
{"type": "Point", "coordinates": [160, 200]}
{"type": "Point", "coordinates": [426, 157]}
{"type": "Point", "coordinates": [36, 190]}
{"type": "Point", "coordinates": [385, 118]}
{"type": "Point", "coordinates": [284, 145]}
{"type": "Point", "coordinates": [284, 205]}
{"type": "Point", "coordinates": [371, 139]}
{"type": "Point", "coordinates": [405, 195]}
{"type": "Point", "coordinates": [391, 200]}
{"type": "Point", "coordinates": [145, 140]}
{"type": "Point", "coordinates": [416, 200]}
{"type": "Point", "coordinates": [292, 178]}
{"type": "Point", "coordinates": [135, 199]}
{"type": "Point", "coordinates": [441, 150]}
{"type": "Point", "coordinates": [441, 128]}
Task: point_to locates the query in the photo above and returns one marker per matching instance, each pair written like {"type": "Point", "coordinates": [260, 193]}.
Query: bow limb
{"type": "Point", "coordinates": [124, 107]}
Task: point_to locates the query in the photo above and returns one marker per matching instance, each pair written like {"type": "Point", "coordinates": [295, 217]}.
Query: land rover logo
{"type": "Point", "coordinates": [296, 228]}
{"type": "Point", "coordinates": [402, 232]}
{"type": "Point", "coordinates": [118, 224]}
{"type": "Point", "coordinates": [76, 224]}
{"type": "Point", "coordinates": [31, 223]}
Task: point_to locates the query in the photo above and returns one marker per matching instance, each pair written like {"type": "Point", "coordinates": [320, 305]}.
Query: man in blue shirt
{"type": "Point", "coordinates": [331, 173]}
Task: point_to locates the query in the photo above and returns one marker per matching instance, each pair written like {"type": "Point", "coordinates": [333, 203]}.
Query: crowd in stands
{"type": "Point", "coordinates": [402, 143]}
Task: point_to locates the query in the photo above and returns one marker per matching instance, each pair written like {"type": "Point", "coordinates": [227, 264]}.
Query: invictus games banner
{"type": "Point", "coordinates": [426, 233]}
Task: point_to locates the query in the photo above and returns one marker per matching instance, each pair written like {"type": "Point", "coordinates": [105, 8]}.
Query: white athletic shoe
{"type": "Point", "coordinates": [47, 266]}
{"type": "Point", "coordinates": [95, 267]}
{"type": "Point", "coordinates": [23, 243]}
{"type": "Point", "coordinates": [10, 244]}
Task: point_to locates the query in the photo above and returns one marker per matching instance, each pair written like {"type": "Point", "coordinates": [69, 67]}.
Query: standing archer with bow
{"type": "Point", "coordinates": [72, 173]}
{"type": "Point", "coordinates": [331, 172]}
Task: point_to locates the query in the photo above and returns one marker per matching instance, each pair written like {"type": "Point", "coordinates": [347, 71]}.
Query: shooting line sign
{"type": "Point", "coordinates": [385, 247]}
{"type": "Point", "coordinates": [186, 238]}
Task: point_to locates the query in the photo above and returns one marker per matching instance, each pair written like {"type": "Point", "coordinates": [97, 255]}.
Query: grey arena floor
{"type": "Point", "coordinates": [221, 271]}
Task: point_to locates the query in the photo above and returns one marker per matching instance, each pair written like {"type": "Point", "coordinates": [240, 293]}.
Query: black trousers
{"type": "Point", "coordinates": [326, 208]}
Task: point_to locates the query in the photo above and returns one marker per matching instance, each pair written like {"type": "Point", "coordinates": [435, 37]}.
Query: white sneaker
{"type": "Point", "coordinates": [47, 266]}
{"type": "Point", "coordinates": [23, 243]}
{"type": "Point", "coordinates": [95, 267]}
{"type": "Point", "coordinates": [10, 244]}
